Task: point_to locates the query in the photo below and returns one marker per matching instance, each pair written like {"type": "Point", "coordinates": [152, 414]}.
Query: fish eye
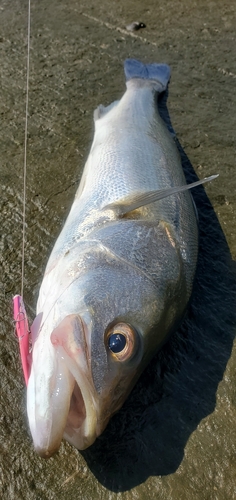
{"type": "Point", "coordinates": [121, 340]}
{"type": "Point", "coordinates": [116, 342]}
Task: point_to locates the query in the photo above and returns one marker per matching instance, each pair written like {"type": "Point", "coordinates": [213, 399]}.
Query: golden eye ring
{"type": "Point", "coordinates": [121, 341]}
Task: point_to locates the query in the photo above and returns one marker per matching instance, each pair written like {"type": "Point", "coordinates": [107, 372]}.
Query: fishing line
{"type": "Point", "coordinates": [25, 152]}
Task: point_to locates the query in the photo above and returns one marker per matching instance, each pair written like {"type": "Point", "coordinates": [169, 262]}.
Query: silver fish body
{"type": "Point", "coordinates": [114, 277]}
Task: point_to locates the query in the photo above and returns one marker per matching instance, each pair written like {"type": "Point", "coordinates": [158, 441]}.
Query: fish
{"type": "Point", "coordinates": [121, 272]}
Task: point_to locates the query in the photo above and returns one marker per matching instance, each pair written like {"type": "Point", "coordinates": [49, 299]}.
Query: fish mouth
{"type": "Point", "coordinates": [76, 431]}
{"type": "Point", "coordinates": [68, 410]}
{"type": "Point", "coordinates": [81, 425]}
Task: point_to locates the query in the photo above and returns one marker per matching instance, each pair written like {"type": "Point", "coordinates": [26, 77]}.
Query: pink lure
{"type": "Point", "coordinates": [23, 334]}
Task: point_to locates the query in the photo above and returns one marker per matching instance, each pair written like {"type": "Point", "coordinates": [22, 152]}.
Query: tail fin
{"type": "Point", "coordinates": [159, 73]}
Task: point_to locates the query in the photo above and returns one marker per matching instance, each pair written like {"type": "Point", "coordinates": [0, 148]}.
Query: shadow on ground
{"type": "Point", "coordinates": [178, 389]}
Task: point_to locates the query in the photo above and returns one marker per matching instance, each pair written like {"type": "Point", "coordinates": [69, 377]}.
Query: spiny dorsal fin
{"type": "Point", "coordinates": [139, 200]}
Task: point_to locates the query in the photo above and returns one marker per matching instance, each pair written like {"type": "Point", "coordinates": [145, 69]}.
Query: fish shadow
{"type": "Point", "coordinates": [148, 435]}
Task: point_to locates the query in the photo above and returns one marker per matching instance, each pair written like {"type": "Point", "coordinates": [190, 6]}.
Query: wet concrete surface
{"type": "Point", "coordinates": [175, 437]}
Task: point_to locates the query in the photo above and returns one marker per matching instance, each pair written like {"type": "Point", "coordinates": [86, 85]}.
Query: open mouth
{"type": "Point", "coordinates": [80, 428]}
{"type": "Point", "coordinates": [77, 422]}
{"type": "Point", "coordinates": [61, 405]}
{"type": "Point", "coordinates": [77, 412]}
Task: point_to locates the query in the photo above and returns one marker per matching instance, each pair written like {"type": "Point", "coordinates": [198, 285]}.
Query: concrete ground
{"type": "Point", "coordinates": [175, 437]}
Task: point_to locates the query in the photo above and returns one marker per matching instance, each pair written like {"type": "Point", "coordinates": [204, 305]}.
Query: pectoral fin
{"type": "Point", "coordinates": [139, 200]}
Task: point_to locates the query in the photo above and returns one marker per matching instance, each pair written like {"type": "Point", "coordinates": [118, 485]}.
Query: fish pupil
{"type": "Point", "coordinates": [117, 342]}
